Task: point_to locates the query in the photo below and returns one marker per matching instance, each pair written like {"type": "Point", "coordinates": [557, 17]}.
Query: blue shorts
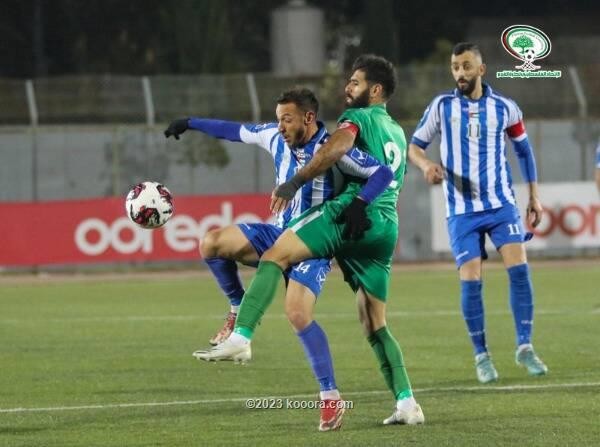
{"type": "Point", "coordinates": [310, 273]}
{"type": "Point", "coordinates": [467, 232]}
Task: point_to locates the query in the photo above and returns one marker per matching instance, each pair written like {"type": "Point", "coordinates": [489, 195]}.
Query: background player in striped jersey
{"type": "Point", "coordinates": [473, 120]}
{"type": "Point", "coordinates": [363, 240]}
{"type": "Point", "coordinates": [598, 166]}
{"type": "Point", "coordinates": [292, 142]}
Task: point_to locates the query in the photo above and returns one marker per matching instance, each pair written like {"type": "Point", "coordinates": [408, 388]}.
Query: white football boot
{"type": "Point", "coordinates": [412, 416]}
{"type": "Point", "coordinates": [228, 350]}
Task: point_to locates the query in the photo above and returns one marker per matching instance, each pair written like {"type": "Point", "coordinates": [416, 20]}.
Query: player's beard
{"type": "Point", "coordinates": [297, 139]}
{"type": "Point", "coordinates": [467, 89]}
{"type": "Point", "coordinates": [360, 101]}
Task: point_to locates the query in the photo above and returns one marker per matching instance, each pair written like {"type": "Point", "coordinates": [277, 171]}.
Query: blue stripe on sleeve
{"type": "Point", "coordinates": [227, 130]}
{"type": "Point", "coordinates": [422, 144]}
{"type": "Point", "coordinates": [425, 116]}
{"type": "Point", "coordinates": [526, 160]}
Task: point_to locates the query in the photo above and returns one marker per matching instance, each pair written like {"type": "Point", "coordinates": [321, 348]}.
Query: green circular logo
{"type": "Point", "coordinates": [526, 43]}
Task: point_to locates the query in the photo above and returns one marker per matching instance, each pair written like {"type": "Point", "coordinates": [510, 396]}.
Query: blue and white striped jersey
{"type": "Point", "coordinates": [473, 147]}
{"type": "Point", "coordinates": [288, 161]}
{"type": "Point", "coordinates": [598, 156]}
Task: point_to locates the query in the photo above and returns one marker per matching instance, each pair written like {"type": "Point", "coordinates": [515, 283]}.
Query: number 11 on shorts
{"type": "Point", "coordinates": [513, 229]}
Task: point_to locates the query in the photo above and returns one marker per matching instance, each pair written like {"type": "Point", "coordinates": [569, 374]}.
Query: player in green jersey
{"type": "Point", "coordinates": [360, 231]}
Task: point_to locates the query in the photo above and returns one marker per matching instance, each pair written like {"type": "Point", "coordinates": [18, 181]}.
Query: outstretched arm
{"type": "Point", "coordinates": [227, 130]}
{"type": "Point", "coordinates": [259, 134]}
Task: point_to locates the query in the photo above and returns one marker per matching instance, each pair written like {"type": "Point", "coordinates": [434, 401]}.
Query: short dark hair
{"type": "Point", "coordinates": [461, 47]}
{"type": "Point", "coordinates": [377, 70]}
{"type": "Point", "coordinates": [303, 97]}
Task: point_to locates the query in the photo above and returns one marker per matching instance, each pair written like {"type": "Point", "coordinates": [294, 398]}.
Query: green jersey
{"type": "Point", "coordinates": [365, 262]}
{"type": "Point", "coordinates": [383, 138]}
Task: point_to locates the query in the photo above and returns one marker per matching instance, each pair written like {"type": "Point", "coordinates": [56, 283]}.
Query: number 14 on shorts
{"type": "Point", "coordinates": [303, 267]}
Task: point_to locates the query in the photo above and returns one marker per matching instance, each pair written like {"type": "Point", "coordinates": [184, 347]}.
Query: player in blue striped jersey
{"type": "Point", "coordinates": [292, 142]}
{"type": "Point", "coordinates": [472, 122]}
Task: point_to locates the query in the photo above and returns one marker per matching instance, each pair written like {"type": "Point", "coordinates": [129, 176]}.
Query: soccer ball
{"type": "Point", "coordinates": [149, 204]}
{"type": "Point", "coordinates": [529, 55]}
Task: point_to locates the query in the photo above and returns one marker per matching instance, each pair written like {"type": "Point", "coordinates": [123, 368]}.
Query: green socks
{"type": "Point", "coordinates": [384, 365]}
{"type": "Point", "coordinates": [257, 298]}
{"type": "Point", "coordinates": [388, 353]}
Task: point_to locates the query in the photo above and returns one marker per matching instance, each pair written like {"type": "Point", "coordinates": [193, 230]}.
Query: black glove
{"type": "Point", "coordinates": [355, 218]}
{"type": "Point", "coordinates": [176, 128]}
{"type": "Point", "coordinates": [287, 190]}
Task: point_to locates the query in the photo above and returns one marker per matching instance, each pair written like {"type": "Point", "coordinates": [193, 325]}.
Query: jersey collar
{"type": "Point", "coordinates": [381, 105]}
{"type": "Point", "coordinates": [319, 134]}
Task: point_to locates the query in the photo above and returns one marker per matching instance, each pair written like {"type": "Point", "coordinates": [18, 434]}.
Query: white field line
{"type": "Point", "coordinates": [318, 316]}
{"type": "Point", "coordinates": [45, 277]}
{"type": "Point", "coordinates": [480, 388]}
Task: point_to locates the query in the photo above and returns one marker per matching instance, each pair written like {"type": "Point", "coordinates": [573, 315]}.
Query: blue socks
{"type": "Point", "coordinates": [521, 301]}
{"type": "Point", "coordinates": [316, 347]}
{"type": "Point", "coordinates": [226, 273]}
{"type": "Point", "coordinates": [472, 308]}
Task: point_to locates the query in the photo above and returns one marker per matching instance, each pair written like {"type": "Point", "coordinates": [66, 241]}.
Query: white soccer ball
{"type": "Point", "coordinates": [149, 204]}
{"type": "Point", "coordinates": [529, 55]}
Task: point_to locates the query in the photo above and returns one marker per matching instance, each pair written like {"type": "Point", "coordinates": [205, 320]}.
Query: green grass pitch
{"type": "Point", "coordinates": [108, 363]}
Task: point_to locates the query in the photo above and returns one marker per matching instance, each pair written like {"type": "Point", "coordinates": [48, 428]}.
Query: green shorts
{"type": "Point", "coordinates": [366, 262]}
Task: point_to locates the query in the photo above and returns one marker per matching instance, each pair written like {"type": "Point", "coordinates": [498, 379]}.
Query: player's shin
{"type": "Point", "coordinates": [472, 308]}
{"type": "Point", "coordinates": [257, 298]}
{"type": "Point", "coordinates": [384, 365]}
{"type": "Point", "coordinates": [400, 382]}
{"type": "Point", "coordinates": [389, 354]}
{"type": "Point", "coordinates": [226, 273]}
{"type": "Point", "coordinates": [521, 302]}
{"type": "Point", "coordinates": [316, 347]}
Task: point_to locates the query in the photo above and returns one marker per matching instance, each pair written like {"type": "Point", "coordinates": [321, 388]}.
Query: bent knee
{"type": "Point", "coordinates": [209, 245]}
{"type": "Point", "coordinates": [276, 255]}
{"type": "Point", "coordinates": [298, 318]}
{"type": "Point", "coordinates": [470, 270]}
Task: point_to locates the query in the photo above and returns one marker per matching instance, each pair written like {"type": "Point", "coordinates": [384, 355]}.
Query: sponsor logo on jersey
{"type": "Point", "coordinates": [358, 156]}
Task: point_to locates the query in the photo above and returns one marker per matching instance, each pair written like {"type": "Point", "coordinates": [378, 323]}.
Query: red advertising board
{"type": "Point", "coordinates": [571, 217]}
{"type": "Point", "coordinates": [97, 230]}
